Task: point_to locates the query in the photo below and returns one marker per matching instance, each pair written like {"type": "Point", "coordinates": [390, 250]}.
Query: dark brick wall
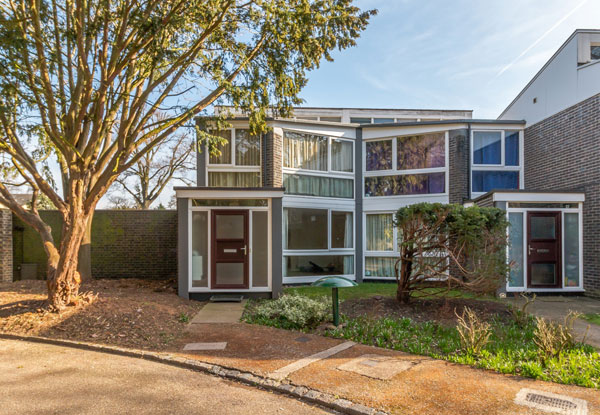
{"type": "Point", "coordinates": [487, 201]}
{"type": "Point", "coordinates": [562, 152]}
{"type": "Point", "coordinates": [272, 159]}
{"type": "Point", "coordinates": [125, 244]}
{"type": "Point", "coordinates": [459, 166]}
{"type": "Point", "coordinates": [6, 260]}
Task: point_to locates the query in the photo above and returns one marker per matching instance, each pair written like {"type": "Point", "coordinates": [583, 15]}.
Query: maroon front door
{"type": "Point", "coordinates": [544, 250]}
{"type": "Point", "coordinates": [229, 268]}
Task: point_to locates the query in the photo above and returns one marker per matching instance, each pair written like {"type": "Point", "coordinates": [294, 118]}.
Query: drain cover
{"type": "Point", "coordinates": [551, 402]}
{"type": "Point", "coordinates": [302, 339]}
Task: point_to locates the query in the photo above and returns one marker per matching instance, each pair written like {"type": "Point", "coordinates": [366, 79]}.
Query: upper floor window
{"type": "Point", "coordinates": [247, 149]}
{"type": "Point", "coordinates": [496, 161]}
{"type": "Point", "coordinates": [595, 52]}
{"type": "Point", "coordinates": [421, 151]}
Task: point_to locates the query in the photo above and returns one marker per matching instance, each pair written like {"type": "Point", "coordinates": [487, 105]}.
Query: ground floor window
{"type": "Point", "coordinates": [319, 186]}
{"type": "Point", "coordinates": [382, 267]}
{"type": "Point", "coordinates": [318, 265]}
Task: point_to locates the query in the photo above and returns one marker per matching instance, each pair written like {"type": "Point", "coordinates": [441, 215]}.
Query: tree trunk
{"type": "Point", "coordinates": [85, 253]}
{"type": "Point", "coordinates": [63, 276]}
{"type": "Point", "coordinates": [402, 294]}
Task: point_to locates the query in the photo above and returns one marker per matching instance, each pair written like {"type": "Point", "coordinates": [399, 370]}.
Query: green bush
{"type": "Point", "coordinates": [290, 312]}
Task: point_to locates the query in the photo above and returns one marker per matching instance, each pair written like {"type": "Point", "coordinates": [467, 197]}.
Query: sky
{"type": "Point", "coordinates": [439, 54]}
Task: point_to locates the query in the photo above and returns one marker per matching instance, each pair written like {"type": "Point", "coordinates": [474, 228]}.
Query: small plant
{"type": "Point", "coordinates": [474, 332]}
{"type": "Point", "coordinates": [520, 315]}
{"type": "Point", "coordinates": [184, 318]}
{"type": "Point", "coordinates": [552, 338]}
{"type": "Point", "coordinates": [291, 312]}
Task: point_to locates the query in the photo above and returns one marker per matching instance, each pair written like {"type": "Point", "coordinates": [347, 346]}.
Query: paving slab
{"type": "Point", "coordinates": [205, 346]}
{"type": "Point", "coordinates": [377, 366]}
{"type": "Point", "coordinates": [219, 313]}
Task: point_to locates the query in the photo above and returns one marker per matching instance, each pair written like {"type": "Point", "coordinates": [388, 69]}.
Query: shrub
{"type": "Point", "coordinates": [291, 312]}
{"type": "Point", "coordinates": [520, 315]}
{"type": "Point", "coordinates": [552, 337]}
{"type": "Point", "coordinates": [474, 332]}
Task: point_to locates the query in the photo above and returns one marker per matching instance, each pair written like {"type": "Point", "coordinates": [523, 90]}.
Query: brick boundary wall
{"type": "Point", "coordinates": [6, 245]}
{"type": "Point", "coordinates": [562, 152]}
{"type": "Point", "coordinates": [125, 244]}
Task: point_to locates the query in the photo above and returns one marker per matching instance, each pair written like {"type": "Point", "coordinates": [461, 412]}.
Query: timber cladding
{"type": "Point", "coordinates": [562, 152]}
{"type": "Point", "coordinates": [125, 244]}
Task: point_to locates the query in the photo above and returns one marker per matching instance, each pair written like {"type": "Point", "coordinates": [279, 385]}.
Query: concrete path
{"type": "Point", "coordinates": [220, 313]}
{"type": "Point", "coordinates": [44, 379]}
{"type": "Point", "coordinates": [556, 308]}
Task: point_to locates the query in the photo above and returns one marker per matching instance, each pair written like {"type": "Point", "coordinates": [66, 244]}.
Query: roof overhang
{"type": "Point", "coordinates": [229, 192]}
{"type": "Point", "coordinates": [543, 196]}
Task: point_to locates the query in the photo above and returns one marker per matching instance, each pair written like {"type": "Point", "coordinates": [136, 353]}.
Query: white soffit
{"type": "Point", "coordinates": [228, 194]}
{"type": "Point", "coordinates": [538, 197]}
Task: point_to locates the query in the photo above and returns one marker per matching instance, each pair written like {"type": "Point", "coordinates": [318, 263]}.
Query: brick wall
{"type": "Point", "coordinates": [125, 244]}
{"type": "Point", "coordinates": [562, 152]}
{"type": "Point", "coordinates": [272, 158]}
{"type": "Point", "coordinates": [459, 166]}
{"type": "Point", "coordinates": [6, 250]}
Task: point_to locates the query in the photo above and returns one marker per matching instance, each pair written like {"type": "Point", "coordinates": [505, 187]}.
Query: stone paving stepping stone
{"type": "Point", "coordinates": [377, 366]}
{"type": "Point", "coordinates": [205, 346]}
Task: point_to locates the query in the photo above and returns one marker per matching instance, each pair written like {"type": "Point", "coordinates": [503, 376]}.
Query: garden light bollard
{"type": "Point", "coordinates": [334, 283]}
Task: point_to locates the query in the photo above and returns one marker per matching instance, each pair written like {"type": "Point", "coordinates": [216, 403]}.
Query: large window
{"type": "Point", "coordinates": [238, 164]}
{"type": "Point", "coordinates": [317, 165]}
{"type": "Point", "coordinates": [381, 251]}
{"type": "Point", "coordinates": [318, 242]}
{"type": "Point", "coordinates": [495, 161]}
{"type": "Point", "coordinates": [407, 165]}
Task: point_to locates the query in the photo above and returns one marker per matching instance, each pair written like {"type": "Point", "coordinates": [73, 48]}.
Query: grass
{"type": "Point", "coordinates": [593, 318]}
{"type": "Point", "coordinates": [511, 348]}
{"type": "Point", "coordinates": [364, 290]}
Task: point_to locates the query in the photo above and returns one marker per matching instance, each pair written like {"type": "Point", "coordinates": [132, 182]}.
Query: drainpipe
{"type": "Point", "coordinates": [469, 155]}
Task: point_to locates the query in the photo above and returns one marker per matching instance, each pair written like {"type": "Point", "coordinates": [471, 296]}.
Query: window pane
{"type": "Point", "coordinates": [260, 249]}
{"type": "Point", "coordinates": [421, 151]}
{"type": "Point", "coordinates": [318, 265]}
{"type": "Point", "coordinates": [225, 149]}
{"type": "Point", "coordinates": [331, 119]}
{"type": "Point", "coordinates": [305, 228]}
{"type": "Point", "coordinates": [233, 179]}
{"type": "Point", "coordinates": [230, 226]}
{"type": "Point", "coordinates": [341, 156]}
{"type": "Point", "coordinates": [379, 155]}
{"type": "Point", "coordinates": [360, 120]}
{"type": "Point", "coordinates": [487, 147]}
{"type": "Point", "coordinates": [408, 184]}
{"type": "Point", "coordinates": [543, 274]}
{"type": "Point", "coordinates": [571, 240]}
{"type": "Point", "coordinates": [380, 232]}
{"type": "Point", "coordinates": [304, 151]}
{"type": "Point", "coordinates": [543, 227]}
{"type": "Point", "coordinates": [515, 252]}
{"type": "Point", "coordinates": [341, 230]}
{"type": "Point", "coordinates": [380, 267]}
{"type": "Point", "coordinates": [511, 148]}
{"type": "Point", "coordinates": [382, 120]}
{"type": "Point", "coordinates": [229, 202]}
{"type": "Point", "coordinates": [247, 148]}
{"type": "Point", "coordinates": [229, 273]}
{"type": "Point", "coordinates": [299, 184]}
{"type": "Point", "coordinates": [199, 249]}
{"type": "Point", "coordinates": [595, 51]}
{"type": "Point", "coordinates": [484, 181]}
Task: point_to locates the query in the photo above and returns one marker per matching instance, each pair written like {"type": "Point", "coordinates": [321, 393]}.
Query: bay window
{"type": "Point", "coordinates": [317, 165]}
{"type": "Point", "coordinates": [495, 161]}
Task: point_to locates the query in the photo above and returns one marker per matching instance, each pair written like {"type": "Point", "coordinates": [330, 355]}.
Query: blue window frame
{"type": "Point", "coordinates": [487, 147]}
{"type": "Point", "coordinates": [486, 180]}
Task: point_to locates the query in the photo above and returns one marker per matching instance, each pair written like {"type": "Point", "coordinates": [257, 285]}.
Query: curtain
{"type": "Point", "coordinates": [348, 265]}
{"type": "Point", "coordinates": [484, 181]}
{"type": "Point", "coordinates": [304, 151]}
{"type": "Point", "coordinates": [348, 234]}
{"type": "Point", "coordinates": [380, 267]}
{"type": "Point", "coordinates": [487, 147]}
{"type": "Point", "coordinates": [233, 179]}
{"type": "Point", "coordinates": [297, 184]}
{"type": "Point", "coordinates": [225, 156]}
{"type": "Point", "coordinates": [247, 148]}
{"type": "Point", "coordinates": [380, 232]}
{"type": "Point", "coordinates": [341, 156]}
{"type": "Point", "coordinates": [511, 148]}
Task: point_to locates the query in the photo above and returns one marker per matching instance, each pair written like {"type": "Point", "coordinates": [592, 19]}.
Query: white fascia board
{"type": "Point", "coordinates": [316, 127]}
{"type": "Point", "coordinates": [228, 194]}
{"type": "Point", "coordinates": [394, 131]}
{"type": "Point", "coordinates": [539, 197]}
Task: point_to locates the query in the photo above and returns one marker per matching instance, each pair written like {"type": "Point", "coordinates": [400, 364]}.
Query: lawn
{"type": "Point", "coordinates": [593, 318]}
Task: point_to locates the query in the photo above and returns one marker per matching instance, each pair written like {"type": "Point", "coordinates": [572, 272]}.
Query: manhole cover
{"type": "Point", "coordinates": [551, 402]}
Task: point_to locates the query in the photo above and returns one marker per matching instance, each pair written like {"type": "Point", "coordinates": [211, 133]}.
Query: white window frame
{"type": "Point", "coordinates": [250, 209]}
{"type": "Point", "coordinates": [525, 288]}
{"type": "Point", "coordinates": [496, 167]}
{"type": "Point", "coordinates": [395, 172]}
{"type": "Point", "coordinates": [347, 208]}
{"type": "Point", "coordinates": [330, 173]}
{"type": "Point", "coordinates": [231, 167]}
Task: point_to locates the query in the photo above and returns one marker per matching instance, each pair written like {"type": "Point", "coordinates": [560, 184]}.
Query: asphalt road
{"type": "Point", "coordinates": [44, 379]}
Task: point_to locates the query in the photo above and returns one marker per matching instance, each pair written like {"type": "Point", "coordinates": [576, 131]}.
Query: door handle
{"type": "Point", "coordinates": [530, 249]}
{"type": "Point", "coordinates": [244, 249]}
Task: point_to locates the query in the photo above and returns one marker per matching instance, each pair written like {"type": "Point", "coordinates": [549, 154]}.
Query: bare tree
{"type": "Point", "coordinates": [83, 79]}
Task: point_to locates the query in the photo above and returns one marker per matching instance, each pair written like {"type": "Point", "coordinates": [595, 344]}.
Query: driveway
{"type": "Point", "coordinates": [46, 379]}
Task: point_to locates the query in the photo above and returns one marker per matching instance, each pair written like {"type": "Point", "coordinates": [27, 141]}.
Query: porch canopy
{"type": "Point", "coordinates": [229, 241]}
{"type": "Point", "coordinates": [545, 238]}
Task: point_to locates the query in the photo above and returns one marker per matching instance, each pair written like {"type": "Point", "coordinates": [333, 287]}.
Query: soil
{"type": "Point", "coordinates": [134, 313]}
{"type": "Point", "coordinates": [441, 310]}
